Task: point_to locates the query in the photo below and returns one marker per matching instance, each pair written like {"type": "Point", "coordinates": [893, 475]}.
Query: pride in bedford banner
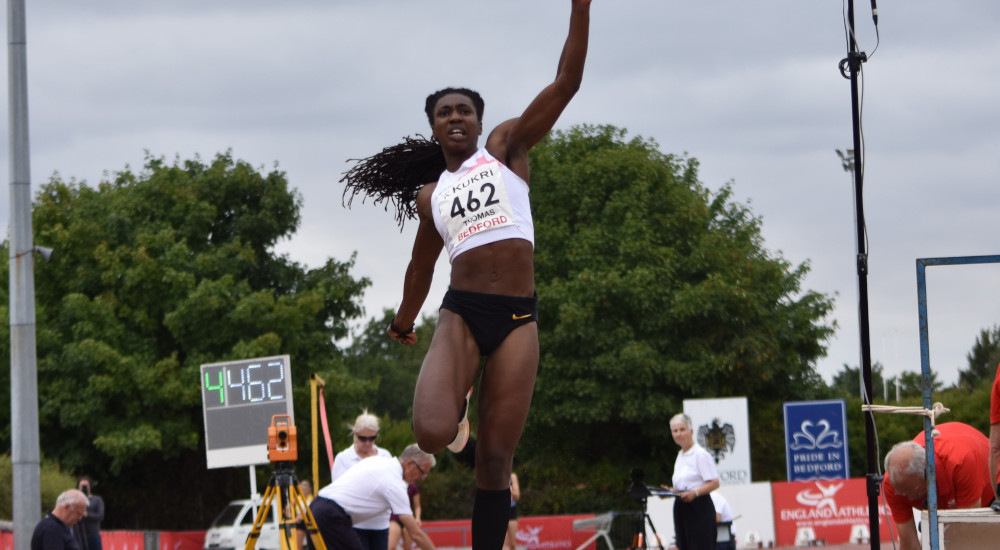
{"type": "Point", "coordinates": [816, 440]}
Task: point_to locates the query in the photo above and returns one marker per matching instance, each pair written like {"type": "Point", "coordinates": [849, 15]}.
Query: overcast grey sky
{"type": "Point", "coordinates": [750, 89]}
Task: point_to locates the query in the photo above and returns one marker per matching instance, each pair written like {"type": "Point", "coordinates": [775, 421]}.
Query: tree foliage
{"type": "Point", "coordinates": [654, 289]}
{"type": "Point", "coordinates": [847, 382]}
{"type": "Point", "coordinates": [983, 359]}
{"type": "Point", "coordinates": [155, 273]}
{"type": "Point", "coordinates": [389, 368]}
{"type": "Point", "coordinates": [911, 384]}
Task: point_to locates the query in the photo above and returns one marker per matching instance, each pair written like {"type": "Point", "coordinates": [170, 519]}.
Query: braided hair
{"type": "Point", "coordinates": [397, 173]}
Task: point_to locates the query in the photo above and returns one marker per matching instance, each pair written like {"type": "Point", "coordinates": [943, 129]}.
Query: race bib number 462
{"type": "Point", "coordinates": [475, 203]}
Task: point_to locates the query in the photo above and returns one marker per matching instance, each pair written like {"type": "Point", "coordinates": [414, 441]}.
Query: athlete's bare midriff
{"type": "Point", "coordinates": [503, 267]}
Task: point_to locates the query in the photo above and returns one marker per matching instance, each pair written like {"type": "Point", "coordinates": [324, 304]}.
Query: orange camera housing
{"type": "Point", "coordinates": [282, 439]}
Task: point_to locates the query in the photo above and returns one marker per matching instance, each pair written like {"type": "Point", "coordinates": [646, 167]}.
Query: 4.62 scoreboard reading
{"type": "Point", "coordinates": [239, 399]}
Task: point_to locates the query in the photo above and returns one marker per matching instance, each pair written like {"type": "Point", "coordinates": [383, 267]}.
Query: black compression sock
{"type": "Point", "coordinates": [489, 519]}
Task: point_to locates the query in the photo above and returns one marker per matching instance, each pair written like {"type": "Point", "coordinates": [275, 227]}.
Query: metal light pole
{"type": "Point", "coordinates": [25, 453]}
{"type": "Point", "coordinates": [850, 67]}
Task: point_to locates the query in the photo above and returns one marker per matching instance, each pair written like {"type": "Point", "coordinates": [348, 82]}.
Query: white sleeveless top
{"type": "Point", "coordinates": [480, 203]}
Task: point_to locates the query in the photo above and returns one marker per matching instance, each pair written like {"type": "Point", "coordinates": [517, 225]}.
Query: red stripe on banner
{"type": "Point", "coordinates": [125, 540]}
{"type": "Point", "coordinates": [533, 533]}
{"type": "Point", "coordinates": [326, 432]}
{"type": "Point", "coordinates": [181, 540]}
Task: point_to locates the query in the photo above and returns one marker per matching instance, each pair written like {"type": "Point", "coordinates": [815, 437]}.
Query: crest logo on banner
{"type": "Point", "coordinates": [716, 439]}
{"type": "Point", "coordinates": [816, 440]}
{"type": "Point", "coordinates": [722, 427]}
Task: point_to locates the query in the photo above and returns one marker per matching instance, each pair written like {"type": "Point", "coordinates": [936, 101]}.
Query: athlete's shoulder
{"type": "Point", "coordinates": [424, 199]}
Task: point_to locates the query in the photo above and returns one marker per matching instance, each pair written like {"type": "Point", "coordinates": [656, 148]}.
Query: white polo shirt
{"type": "Point", "coordinates": [369, 491]}
{"type": "Point", "coordinates": [693, 468]}
{"type": "Point", "coordinates": [349, 457]}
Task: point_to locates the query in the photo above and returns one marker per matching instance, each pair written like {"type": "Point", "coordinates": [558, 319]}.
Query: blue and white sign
{"type": "Point", "coordinates": [816, 440]}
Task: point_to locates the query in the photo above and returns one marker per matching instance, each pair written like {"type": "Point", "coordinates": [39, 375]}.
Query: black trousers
{"type": "Point", "coordinates": [694, 523]}
{"type": "Point", "coordinates": [334, 525]}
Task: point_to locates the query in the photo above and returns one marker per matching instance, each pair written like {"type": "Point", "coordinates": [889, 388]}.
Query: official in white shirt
{"type": "Point", "coordinates": [695, 476]}
{"type": "Point", "coordinates": [367, 493]}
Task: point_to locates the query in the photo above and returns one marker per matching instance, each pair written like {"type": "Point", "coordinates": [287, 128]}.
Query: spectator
{"type": "Point", "coordinates": [396, 531]}
{"type": "Point", "coordinates": [510, 543]}
{"type": "Point", "coordinates": [307, 491]}
{"type": "Point", "coordinates": [90, 526]}
{"type": "Point", "coordinates": [995, 432]}
{"type": "Point", "coordinates": [54, 532]}
{"type": "Point", "coordinates": [365, 432]}
{"type": "Point", "coordinates": [724, 514]}
{"type": "Point", "coordinates": [300, 522]}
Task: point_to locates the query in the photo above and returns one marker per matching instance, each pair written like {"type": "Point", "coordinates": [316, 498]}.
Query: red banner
{"type": "Point", "coordinates": [822, 510]}
{"type": "Point", "coordinates": [534, 533]}
{"type": "Point", "coordinates": [124, 540]}
{"type": "Point", "coordinates": [181, 540]}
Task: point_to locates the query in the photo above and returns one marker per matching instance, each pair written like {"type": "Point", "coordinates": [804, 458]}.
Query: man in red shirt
{"type": "Point", "coordinates": [995, 430]}
{"type": "Point", "coordinates": [961, 459]}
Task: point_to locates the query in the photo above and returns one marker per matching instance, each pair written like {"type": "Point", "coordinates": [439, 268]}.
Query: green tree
{"type": "Point", "coordinates": [655, 289]}
{"type": "Point", "coordinates": [390, 368]}
{"type": "Point", "coordinates": [911, 384]}
{"type": "Point", "coordinates": [53, 482]}
{"type": "Point", "coordinates": [155, 273]}
{"type": "Point", "coordinates": [983, 359]}
{"type": "Point", "coordinates": [847, 382]}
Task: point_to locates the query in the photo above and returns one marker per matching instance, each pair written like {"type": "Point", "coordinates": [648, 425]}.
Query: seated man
{"type": "Point", "coordinates": [371, 490]}
{"type": "Point", "coordinates": [961, 458]}
{"type": "Point", "coordinates": [723, 514]}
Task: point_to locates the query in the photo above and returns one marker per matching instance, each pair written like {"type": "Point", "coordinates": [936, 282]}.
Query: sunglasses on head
{"type": "Point", "coordinates": [366, 438]}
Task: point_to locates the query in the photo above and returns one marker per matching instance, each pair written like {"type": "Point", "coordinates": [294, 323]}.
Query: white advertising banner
{"type": "Point", "coordinates": [722, 427]}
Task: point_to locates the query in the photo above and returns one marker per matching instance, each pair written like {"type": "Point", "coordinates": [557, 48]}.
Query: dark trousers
{"type": "Point", "coordinates": [373, 539]}
{"type": "Point", "coordinates": [334, 525]}
{"type": "Point", "coordinates": [694, 523]}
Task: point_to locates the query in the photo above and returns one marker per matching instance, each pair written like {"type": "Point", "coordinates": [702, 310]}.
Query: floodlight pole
{"type": "Point", "coordinates": [853, 64]}
{"type": "Point", "coordinates": [25, 449]}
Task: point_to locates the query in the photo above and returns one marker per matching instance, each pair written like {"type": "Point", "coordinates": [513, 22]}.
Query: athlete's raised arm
{"type": "Point", "coordinates": [512, 140]}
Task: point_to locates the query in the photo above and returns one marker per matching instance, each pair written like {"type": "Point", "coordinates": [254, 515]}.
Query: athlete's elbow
{"type": "Point", "coordinates": [570, 86]}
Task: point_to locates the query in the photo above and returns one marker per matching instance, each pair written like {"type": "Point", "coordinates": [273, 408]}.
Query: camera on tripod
{"type": "Point", "coordinates": [638, 490]}
{"type": "Point", "coordinates": [282, 440]}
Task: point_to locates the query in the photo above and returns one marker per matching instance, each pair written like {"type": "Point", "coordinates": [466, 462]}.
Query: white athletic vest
{"type": "Point", "coordinates": [480, 203]}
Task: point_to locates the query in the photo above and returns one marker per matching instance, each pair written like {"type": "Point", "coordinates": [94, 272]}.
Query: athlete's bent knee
{"type": "Point", "coordinates": [432, 437]}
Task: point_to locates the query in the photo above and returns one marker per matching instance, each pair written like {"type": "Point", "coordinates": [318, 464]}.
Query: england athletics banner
{"type": "Point", "coordinates": [830, 508]}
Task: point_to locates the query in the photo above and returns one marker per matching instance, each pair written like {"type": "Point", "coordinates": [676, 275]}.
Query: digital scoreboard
{"type": "Point", "coordinates": [239, 399]}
